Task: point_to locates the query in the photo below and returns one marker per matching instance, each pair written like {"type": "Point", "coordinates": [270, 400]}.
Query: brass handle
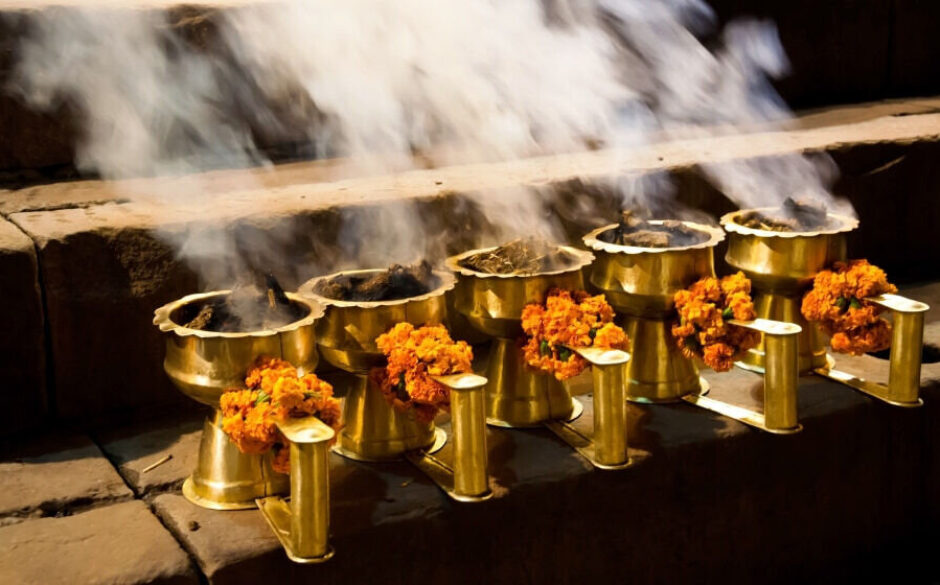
{"type": "Point", "coordinates": [610, 403]}
{"type": "Point", "coordinates": [781, 371]}
{"type": "Point", "coordinates": [907, 343]}
{"type": "Point", "coordinates": [303, 526]}
{"type": "Point", "coordinates": [468, 418]}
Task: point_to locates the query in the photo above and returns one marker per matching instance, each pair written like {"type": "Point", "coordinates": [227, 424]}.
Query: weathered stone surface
{"type": "Point", "coordinates": [22, 353]}
{"type": "Point", "coordinates": [123, 544]}
{"type": "Point", "coordinates": [56, 475]}
{"type": "Point", "coordinates": [134, 448]}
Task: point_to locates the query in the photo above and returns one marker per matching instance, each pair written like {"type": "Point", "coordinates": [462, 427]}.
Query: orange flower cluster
{"type": "Point", "coordinates": [274, 392]}
{"type": "Point", "coordinates": [837, 302]}
{"type": "Point", "coordinates": [414, 355]}
{"type": "Point", "coordinates": [704, 309]}
{"type": "Point", "coordinates": [568, 320]}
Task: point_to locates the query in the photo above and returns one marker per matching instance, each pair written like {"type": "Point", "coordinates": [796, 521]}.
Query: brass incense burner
{"type": "Point", "coordinates": [518, 396]}
{"type": "Point", "coordinates": [375, 431]}
{"type": "Point", "coordinates": [640, 284]}
{"type": "Point", "coordinates": [782, 266]}
{"type": "Point", "coordinates": [202, 365]}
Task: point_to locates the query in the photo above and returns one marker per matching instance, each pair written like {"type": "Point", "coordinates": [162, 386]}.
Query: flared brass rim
{"type": "Point", "coordinates": [581, 259]}
{"type": "Point", "coordinates": [715, 235]}
{"type": "Point", "coordinates": [447, 280]}
{"type": "Point", "coordinates": [162, 318]}
{"type": "Point", "coordinates": [730, 223]}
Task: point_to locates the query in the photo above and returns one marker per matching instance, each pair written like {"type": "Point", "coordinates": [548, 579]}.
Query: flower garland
{"type": "Point", "coordinates": [414, 355]}
{"type": "Point", "coordinates": [566, 320]}
{"type": "Point", "coordinates": [837, 302]}
{"type": "Point", "coordinates": [702, 330]}
{"type": "Point", "coordinates": [274, 392]}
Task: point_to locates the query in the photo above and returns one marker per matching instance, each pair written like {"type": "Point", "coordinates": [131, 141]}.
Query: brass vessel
{"type": "Point", "coordinates": [202, 365]}
{"type": "Point", "coordinates": [516, 395]}
{"type": "Point", "coordinates": [640, 284]}
{"type": "Point", "coordinates": [375, 431]}
{"type": "Point", "coordinates": [781, 266]}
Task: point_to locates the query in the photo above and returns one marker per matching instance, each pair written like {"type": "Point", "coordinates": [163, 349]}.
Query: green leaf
{"type": "Point", "coordinates": [855, 303]}
{"type": "Point", "coordinates": [309, 395]}
{"type": "Point", "coordinates": [592, 333]}
{"type": "Point", "coordinates": [564, 354]}
{"type": "Point", "coordinates": [545, 348]}
{"type": "Point", "coordinates": [842, 303]}
{"type": "Point", "coordinates": [262, 397]}
{"type": "Point", "coordinates": [728, 313]}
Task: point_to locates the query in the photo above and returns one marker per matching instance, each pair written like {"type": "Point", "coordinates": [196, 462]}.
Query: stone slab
{"type": "Point", "coordinates": [56, 475]}
{"type": "Point", "coordinates": [123, 544]}
{"type": "Point", "coordinates": [22, 350]}
{"type": "Point", "coordinates": [134, 448]}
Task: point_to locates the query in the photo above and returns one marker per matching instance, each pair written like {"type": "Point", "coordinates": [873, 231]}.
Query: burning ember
{"type": "Point", "coordinates": [246, 308]}
{"type": "Point", "coordinates": [398, 282]}
{"type": "Point", "coordinates": [793, 216]}
{"type": "Point", "coordinates": [522, 256]}
{"type": "Point", "coordinates": [636, 231]}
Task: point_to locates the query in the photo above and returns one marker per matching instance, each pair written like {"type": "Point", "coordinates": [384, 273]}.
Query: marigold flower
{"type": "Point", "coordinates": [702, 329]}
{"type": "Point", "coordinates": [837, 303]}
{"type": "Point", "coordinates": [250, 417]}
{"type": "Point", "coordinates": [414, 355]}
{"type": "Point", "coordinates": [566, 320]}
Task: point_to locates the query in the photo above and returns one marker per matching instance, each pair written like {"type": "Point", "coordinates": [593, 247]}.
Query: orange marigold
{"type": "Point", "coordinates": [568, 320]}
{"type": "Point", "coordinates": [414, 355]}
{"type": "Point", "coordinates": [702, 330]}
{"type": "Point", "coordinates": [249, 417]}
{"type": "Point", "coordinates": [837, 303]}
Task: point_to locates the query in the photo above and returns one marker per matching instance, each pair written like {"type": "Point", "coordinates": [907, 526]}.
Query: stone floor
{"type": "Point", "coordinates": [854, 496]}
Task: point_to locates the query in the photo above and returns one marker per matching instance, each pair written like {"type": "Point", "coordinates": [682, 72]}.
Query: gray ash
{"type": "Point", "coordinates": [633, 230]}
{"type": "Point", "coordinates": [522, 256]}
{"type": "Point", "coordinates": [246, 308]}
{"type": "Point", "coordinates": [396, 283]}
{"type": "Point", "coordinates": [793, 216]}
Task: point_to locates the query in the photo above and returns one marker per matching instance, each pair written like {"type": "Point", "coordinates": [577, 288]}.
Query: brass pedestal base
{"type": "Point", "coordinates": [779, 306]}
{"type": "Point", "coordinates": [658, 372]}
{"type": "Point", "coordinates": [227, 479]}
{"type": "Point", "coordinates": [518, 396]}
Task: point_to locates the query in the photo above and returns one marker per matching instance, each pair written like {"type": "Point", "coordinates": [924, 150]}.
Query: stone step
{"type": "Point", "coordinates": [105, 262]}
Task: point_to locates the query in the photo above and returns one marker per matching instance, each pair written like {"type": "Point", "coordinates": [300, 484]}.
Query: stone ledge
{"type": "Point", "coordinates": [54, 476]}
{"type": "Point", "coordinates": [123, 544]}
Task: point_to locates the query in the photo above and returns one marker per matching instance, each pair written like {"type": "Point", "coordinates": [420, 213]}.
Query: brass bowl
{"type": "Point", "coordinates": [493, 303]}
{"type": "Point", "coordinates": [640, 284]}
{"type": "Point", "coordinates": [642, 281]}
{"type": "Point", "coordinates": [203, 364]}
{"type": "Point", "coordinates": [347, 333]}
{"type": "Point", "coordinates": [782, 266]}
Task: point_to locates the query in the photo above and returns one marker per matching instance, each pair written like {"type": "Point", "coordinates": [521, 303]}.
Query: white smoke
{"type": "Point", "coordinates": [455, 80]}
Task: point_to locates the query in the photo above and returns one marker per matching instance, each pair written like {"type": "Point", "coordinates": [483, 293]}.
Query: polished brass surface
{"type": "Point", "coordinates": [346, 334]}
{"type": "Point", "coordinates": [907, 340]}
{"type": "Point", "coordinates": [780, 381]}
{"type": "Point", "coordinates": [782, 266]}
{"type": "Point", "coordinates": [516, 395]}
{"type": "Point", "coordinates": [607, 447]}
{"type": "Point", "coordinates": [374, 431]}
{"type": "Point", "coordinates": [203, 364]}
{"type": "Point", "coordinates": [640, 284]}
{"type": "Point", "coordinates": [466, 480]}
{"type": "Point", "coordinates": [302, 525]}
{"type": "Point", "coordinates": [519, 396]}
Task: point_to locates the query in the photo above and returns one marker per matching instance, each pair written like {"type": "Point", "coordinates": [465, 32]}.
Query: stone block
{"type": "Point", "coordinates": [122, 544]}
{"type": "Point", "coordinates": [22, 345]}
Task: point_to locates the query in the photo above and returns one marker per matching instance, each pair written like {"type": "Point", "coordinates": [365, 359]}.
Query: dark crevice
{"type": "Point", "coordinates": [175, 532]}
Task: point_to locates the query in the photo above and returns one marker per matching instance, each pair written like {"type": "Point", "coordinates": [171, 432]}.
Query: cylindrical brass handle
{"type": "Point", "coordinates": [610, 404]}
{"type": "Point", "coordinates": [781, 371]}
{"type": "Point", "coordinates": [468, 420]}
{"type": "Point", "coordinates": [907, 342]}
{"type": "Point", "coordinates": [310, 487]}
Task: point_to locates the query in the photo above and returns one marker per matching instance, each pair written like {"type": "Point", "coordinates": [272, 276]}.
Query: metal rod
{"type": "Point", "coordinates": [310, 498]}
{"type": "Point", "coordinates": [781, 380]}
{"type": "Point", "coordinates": [610, 415]}
{"type": "Point", "coordinates": [468, 419]}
